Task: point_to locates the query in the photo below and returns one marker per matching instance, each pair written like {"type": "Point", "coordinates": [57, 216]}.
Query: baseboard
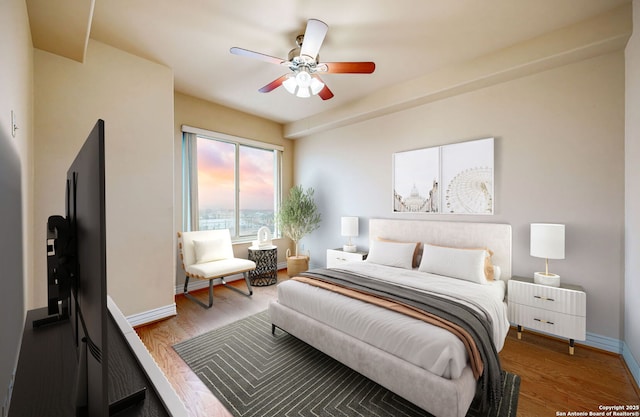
{"type": "Point", "coordinates": [150, 316]}
{"type": "Point", "coordinates": [603, 343]}
{"type": "Point", "coordinates": [631, 362]}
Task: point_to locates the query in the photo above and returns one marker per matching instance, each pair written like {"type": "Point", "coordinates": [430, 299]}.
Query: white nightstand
{"type": "Point", "coordinates": [335, 257]}
{"type": "Point", "coordinates": [560, 311]}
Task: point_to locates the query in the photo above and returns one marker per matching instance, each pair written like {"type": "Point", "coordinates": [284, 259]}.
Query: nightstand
{"type": "Point", "coordinates": [335, 257]}
{"type": "Point", "coordinates": [560, 311]}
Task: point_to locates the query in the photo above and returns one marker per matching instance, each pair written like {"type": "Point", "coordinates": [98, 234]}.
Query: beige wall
{"type": "Point", "coordinates": [16, 93]}
{"type": "Point", "coordinates": [206, 115]}
{"type": "Point", "coordinates": [135, 98]}
{"type": "Point", "coordinates": [16, 86]}
{"type": "Point", "coordinates": [632, 193]}
{"type": "Point", "coordinates": [559, 157]}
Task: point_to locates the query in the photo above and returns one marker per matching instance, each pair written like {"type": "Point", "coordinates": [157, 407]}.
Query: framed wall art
{"type": "Point", "coordinates": [448, 179]}
{"type": "Point", "coordinates": [416, 179]}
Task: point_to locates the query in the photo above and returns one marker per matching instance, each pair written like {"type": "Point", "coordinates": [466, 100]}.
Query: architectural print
{"type": "Point", "coordinates": [416, 181]}
{"type": "Point", "coordinates": [451, 179]}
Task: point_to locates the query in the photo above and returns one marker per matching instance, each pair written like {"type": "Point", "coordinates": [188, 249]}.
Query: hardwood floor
{"type": "Point", "coordinates": [552, 381]}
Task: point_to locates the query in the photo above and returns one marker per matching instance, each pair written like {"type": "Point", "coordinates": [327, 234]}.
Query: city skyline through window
{"type": "Point", "coordinates": [236, 184]}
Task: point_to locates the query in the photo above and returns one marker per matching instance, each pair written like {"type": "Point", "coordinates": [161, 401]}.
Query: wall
{"type": "Point", "coordinates": [214, 117]}
{"type": "Point", "coordinates": [559, 157]}
{"type": "Point", "coordinates": [135, 98]}
{"type": "Point", "coordinates": [632, 194]}
{"type": "Point", "coordinates": [16, 189]}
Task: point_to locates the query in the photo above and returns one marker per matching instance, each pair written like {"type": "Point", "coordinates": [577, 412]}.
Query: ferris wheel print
{"type": "Point", "coordinates": [470, 191]}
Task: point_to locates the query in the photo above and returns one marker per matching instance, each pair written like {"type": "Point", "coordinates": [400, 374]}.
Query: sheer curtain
{"type": "Point", "coordinates": [189, 182]}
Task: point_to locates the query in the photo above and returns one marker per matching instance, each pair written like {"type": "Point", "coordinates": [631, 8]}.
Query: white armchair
{"type": "Point", "coordinates": [208, 254]}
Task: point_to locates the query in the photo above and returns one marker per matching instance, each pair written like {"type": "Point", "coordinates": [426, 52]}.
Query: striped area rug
{"type": "Point", "coordinates": [256, 374]}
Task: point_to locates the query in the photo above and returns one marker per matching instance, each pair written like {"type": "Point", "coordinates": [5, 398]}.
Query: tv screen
{"type": "Point", "coordinates": [86, 216]}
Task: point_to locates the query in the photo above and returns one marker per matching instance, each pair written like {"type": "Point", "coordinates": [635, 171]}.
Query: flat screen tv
{"type": "Point", "coordinates": [77, 277]}
{"type": "Point", "coordinates": [89, 315]}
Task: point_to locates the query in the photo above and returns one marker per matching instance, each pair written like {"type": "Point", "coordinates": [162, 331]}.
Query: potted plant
{"type": "Point", "coordinates": [298, 216]}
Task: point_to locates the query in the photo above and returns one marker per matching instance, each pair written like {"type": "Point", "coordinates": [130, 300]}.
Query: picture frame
{"type": "Point", "coordinates": [416, 179]}
{"type": "Point", "coordinates": [449, 179]}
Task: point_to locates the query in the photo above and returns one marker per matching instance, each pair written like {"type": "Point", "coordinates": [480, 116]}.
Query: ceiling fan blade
{"type": "Point", "coordinates": [325, 93]}
{"type": "Point", "coordinates": [348, 67]}
{"type": "Point", "coordinates": [273, 84]}
{"type": "Point", "coordinates": [257, 55]}
{"type": "Point", "coordinates": [313, 38]}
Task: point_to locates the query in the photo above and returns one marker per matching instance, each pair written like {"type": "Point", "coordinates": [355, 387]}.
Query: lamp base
{"type": "Point", "coordinates": [551, 280]}
{"type": "Point", "coordinates": [349, 248]}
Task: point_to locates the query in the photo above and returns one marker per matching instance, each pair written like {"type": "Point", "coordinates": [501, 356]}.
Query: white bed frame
{"type": "Point", "coordinates": [439, 396]}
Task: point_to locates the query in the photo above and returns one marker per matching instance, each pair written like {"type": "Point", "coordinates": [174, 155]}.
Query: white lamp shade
{"type": "Point", "coordinates": [303, 92]}
{"type": "Point", "coordinates": [303, 78]}
{"type": "Point", "coordinates": [547, 240]}
{"type": "Point", "coordinates": [290, 84]}
{"type": "Point", "coordinates": [303, 84]}
{"type": "Point", "coordinates": [316, 86]}
{"type": "Point", "coordinates": [349, 226]}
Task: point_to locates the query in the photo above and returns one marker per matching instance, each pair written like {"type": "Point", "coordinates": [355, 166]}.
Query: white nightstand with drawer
{"type": "Point", "coordinates": [560, 311]}
{"type": "Point", "coordinates": [335, 257]}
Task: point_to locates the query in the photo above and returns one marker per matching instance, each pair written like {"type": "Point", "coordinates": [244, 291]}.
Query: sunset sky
{"type": "Point", "coordinates": [216, 176]}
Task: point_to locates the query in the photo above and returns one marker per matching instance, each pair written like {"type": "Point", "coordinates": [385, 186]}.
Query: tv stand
{"type": "Point", "coordinates": [46, 321]}
{"type": "Point", "coordinates": [129, 401]}
{"type": "Point", "coordinates": [46, 372]}
{"type": "Point", "coordinates": [63, 315]}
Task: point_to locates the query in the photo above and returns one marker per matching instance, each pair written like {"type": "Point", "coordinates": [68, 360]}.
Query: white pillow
{"type": "Point", "coordinates": [467, 264]}
{"type": "Point", "coordinates": [209, 250]}
{"type": "Point", "coordinates": [391, 253]}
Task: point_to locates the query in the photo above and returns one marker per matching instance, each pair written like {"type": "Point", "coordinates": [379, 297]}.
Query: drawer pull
{"type": "Point", "coordinates": [544, 321]}
{"type": "Point", "coordinates": [543, 298]}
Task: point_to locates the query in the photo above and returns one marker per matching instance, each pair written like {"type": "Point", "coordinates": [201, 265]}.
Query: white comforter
{"type": "Point", "coordinates": [417, 342]}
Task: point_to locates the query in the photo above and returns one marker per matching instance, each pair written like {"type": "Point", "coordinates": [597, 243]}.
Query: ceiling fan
{"type": "Point", "coordinates": [304, 79]}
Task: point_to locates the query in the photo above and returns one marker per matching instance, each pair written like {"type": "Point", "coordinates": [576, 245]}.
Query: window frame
{"type": "Point", "coordinates": [190, 177]}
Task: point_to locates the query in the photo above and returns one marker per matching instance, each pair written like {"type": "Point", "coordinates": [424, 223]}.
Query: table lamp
{"type": "Point", "coordinates": [547, 241]}
{"type": "Point", "coordinates": [349, 229]}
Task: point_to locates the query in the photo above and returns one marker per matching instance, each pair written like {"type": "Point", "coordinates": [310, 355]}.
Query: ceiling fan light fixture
{"type": "Point", "coordinates": [290, 84]}
{"type": "Point", "coordinates": [303, 78]}
{"type": "Point", "coordinates": [316, 86]}
{"type": "Point", "coordinates": [303, 92]}
{"type": "Point", "coordinates": [302, 84]}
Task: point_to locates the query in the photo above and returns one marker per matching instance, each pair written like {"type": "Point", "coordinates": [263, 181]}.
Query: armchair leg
{"type": "Point", "coordinates": [248, 293]}
{"type": "Point", "coordinates": [192, 298]}
{"type": "Point", "coordinates": [246, 279]}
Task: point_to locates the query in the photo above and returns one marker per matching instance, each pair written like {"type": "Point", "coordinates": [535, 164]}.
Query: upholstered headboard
{"type": "Point", "coordinates": [494, 236]}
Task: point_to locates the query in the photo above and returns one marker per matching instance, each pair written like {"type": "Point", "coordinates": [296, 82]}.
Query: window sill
{"type": "Point", "coordinates": [249, 241]}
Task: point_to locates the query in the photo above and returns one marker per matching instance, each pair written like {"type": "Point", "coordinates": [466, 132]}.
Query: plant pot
{"type": "Point", "coordinates": [296, 264]}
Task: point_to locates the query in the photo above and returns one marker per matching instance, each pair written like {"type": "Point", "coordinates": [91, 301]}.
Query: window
{"type": "Point", "coordinates": [230, 183]}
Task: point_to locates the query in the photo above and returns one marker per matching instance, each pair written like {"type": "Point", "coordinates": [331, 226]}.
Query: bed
{"type": "Point", "coordinates": [418, 358]}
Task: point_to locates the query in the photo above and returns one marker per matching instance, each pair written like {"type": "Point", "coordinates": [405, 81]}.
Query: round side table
{"type": "Point", "coordinates": [266, 259]}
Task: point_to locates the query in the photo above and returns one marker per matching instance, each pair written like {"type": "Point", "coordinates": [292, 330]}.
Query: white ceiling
{"type": "Point", "coordinates": [405, 38]}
